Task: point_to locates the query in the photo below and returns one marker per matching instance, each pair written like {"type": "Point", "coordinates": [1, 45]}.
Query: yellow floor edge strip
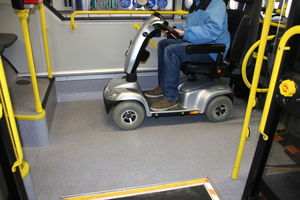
{"type": "Point", "coordinates": [144, 190]}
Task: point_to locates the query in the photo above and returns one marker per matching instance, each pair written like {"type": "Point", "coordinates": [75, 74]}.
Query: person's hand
{"type": "Point", "coordinates": [180, 32]}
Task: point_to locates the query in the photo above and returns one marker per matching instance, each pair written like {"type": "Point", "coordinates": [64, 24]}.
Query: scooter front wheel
{"type": "Point", "coordinates": [218, 109]}
{"type": "Point", "coordinates": [128, 115]}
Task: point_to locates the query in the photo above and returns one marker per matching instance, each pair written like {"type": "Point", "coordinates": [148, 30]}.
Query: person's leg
{"type": "Point", "coordinates": [174, 54]}
{"type": "Point", "coordinates": [162, 44]}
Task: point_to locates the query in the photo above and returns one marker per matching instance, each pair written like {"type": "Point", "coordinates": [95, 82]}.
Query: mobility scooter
{"type": "Point", "coordinates": [198, 95]}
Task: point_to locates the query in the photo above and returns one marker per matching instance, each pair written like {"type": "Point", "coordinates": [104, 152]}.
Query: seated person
{"type": "Point", "coordinates": [205, 24]}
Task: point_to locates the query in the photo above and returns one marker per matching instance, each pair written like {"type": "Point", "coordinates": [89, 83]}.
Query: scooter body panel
{"type": "Point", "coordinates": [196, 95]}
{"type": "Point", "coordinates": [193, 96]}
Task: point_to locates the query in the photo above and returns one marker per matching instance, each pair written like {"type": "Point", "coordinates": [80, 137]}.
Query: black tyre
{"type": "Point", "coordinates": [218, 109]}
{"type": "Point", "coordinates": [128, 115]}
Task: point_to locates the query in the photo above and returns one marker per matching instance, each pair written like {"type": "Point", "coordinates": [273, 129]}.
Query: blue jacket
{"type": "Point", "coordinates": [208, 26]}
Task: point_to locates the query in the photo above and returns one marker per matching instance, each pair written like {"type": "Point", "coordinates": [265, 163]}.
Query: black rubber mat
{"type": "Point", "coordinates": [199, 189]}
{"type": "Point", "coordinates": [191, 193]}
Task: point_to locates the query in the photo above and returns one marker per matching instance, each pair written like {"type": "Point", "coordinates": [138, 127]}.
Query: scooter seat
{"type": "Point", "coordinates": [238, 26]}
{"type": "Point", "coordinates": [197, 68]}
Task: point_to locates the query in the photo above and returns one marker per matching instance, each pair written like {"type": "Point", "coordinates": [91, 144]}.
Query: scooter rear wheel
{"type": "Point", "coordinates": [218, 109]}
{"type": "Point", "coordinates": [128, 115]}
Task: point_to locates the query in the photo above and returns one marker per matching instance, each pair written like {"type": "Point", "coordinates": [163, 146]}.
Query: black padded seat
{"type": "Point", "coordinates": [238, 27]}
{"type": "Point", "coordinates": [198, 67]}
{"type": "Point", "coordinates": [7, 39]}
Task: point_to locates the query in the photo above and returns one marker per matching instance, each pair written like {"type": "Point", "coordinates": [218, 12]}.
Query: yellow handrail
{"type": "Point", "coordinates": [45, 37]}
{"type": "Point", "coordinates": [73, 26]}
{"type": "Point", "coordinates": [23, 15]}
{"type": "Point", "coordinates": [31, 117]}
{"type": "Point", "coordinates": [245, 61]}
{"type": "Point", "coordinates": [282, 12]}
{"type": "Point", "coordinates": [281, 48]}
{"type": "Point", "coordinates": [12, 126]}
{"type": "Point", "coordinates": [274, 24]}
{"type": "Point", "coordinates": [245, 133]}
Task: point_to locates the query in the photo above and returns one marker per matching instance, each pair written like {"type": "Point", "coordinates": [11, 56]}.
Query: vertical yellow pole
{"type": "Point", "coordinates": [252, 96]}
{"type": "Point", "coordinates": [12, 125]}
{"type": "Point", "coordinates": [23, 15]}
{"type": "Point", "coordinates": [45, 37]}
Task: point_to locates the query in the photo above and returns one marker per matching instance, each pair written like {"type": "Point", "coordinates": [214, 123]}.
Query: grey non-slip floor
{"type": "Point", "coordinates": [88, 153]}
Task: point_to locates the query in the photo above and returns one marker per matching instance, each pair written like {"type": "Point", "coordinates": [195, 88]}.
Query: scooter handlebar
{"type": "Point", "coordinates": [165, 27]}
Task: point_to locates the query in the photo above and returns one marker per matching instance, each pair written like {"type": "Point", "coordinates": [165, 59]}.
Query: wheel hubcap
{"type": "Point", "coordinates": [220, 110]}
{"type": "Point", "coordinates": [129, 117]}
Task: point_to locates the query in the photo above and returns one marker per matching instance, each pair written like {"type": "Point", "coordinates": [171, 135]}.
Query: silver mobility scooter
{"type": "Point", "coordinates": [207, 93]}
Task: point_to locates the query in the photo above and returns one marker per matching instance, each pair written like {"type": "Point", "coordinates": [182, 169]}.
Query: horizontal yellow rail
{"type": "Point", "coordinates": [31, 117]}
{"type": "Point", "coordinates": [274, 24]}
{"type": "Point", "coordinates": [73, 26]}
{"type": "Point", "coordinates": [282, 12]}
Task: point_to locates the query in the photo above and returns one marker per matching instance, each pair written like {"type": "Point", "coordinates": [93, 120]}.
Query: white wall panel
{"type": "Point", "coordinates": [95, 47]}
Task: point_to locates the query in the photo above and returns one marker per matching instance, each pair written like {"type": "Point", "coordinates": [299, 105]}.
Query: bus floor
{"type": "Point", "coordinates": [89, 153]}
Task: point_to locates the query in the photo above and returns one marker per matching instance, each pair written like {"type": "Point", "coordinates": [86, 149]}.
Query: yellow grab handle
{"type": "Point", "coordinates": [281, 48]}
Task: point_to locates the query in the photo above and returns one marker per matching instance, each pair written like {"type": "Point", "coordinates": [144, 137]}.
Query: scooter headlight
{"type": "Point", "coordinates": [109, 93]}
{"type": "Point", "coordinates": [114, 95]}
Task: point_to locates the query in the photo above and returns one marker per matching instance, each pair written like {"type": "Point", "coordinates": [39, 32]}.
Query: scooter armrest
{"type": "Point", "coordinates": [205, 48]}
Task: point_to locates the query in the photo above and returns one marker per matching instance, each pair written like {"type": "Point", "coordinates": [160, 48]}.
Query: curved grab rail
{"type": "Point", "coordinates": [279, 54]}
{"type": "Point", "coordinates": [73, 26]}
{"type": "Point", "coordinates": [244, 65]}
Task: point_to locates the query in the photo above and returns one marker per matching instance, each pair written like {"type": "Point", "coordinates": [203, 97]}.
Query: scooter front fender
{"type": "Point", "coordinates": [128, 96]}
{"type": "Point", "coordinates": [119, 90]}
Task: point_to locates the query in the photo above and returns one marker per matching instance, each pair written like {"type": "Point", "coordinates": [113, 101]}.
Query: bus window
{"type": "Point", "coordinates": [66, 7]}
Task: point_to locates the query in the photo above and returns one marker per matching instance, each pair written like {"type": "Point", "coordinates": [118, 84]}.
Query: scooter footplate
{"type": "Point", "coordinates": [178, 108]}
